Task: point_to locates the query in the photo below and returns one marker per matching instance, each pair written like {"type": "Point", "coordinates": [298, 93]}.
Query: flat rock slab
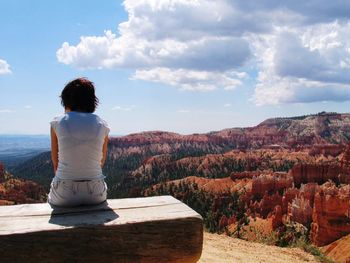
{"type": "Point", "coordinates": [148, 229]}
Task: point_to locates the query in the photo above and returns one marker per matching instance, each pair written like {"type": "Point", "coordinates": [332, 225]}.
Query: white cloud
{"type": "Point", "coordinates": [6, 111]}
{"type": "Point", "coordinates": [28, 106]}
{"type": "Point", "coordinates": [226, 105]}
{"type": "Point", "coordinates": [300, 50]}
{"type": "Point", "coordinates": [189, 79]}
{"type": "Point", "coordinates": [120, 108]}
{"type": "Point", "coordinates": [108, 51]}
{"type": "Point", "coordinates": [307, 64]}
{"type": "Point", "coordinates": [155, 38]}
{"type": "Point", "coordinates": [4, 67]}
{"type": "Point", "coordinates": [183, 111]}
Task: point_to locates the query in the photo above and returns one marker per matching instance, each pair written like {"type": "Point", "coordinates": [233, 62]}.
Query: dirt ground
{"type": "Point", "coordinates": [220, 248]}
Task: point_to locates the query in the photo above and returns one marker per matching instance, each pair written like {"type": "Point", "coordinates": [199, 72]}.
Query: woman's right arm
{"type": "Point", "coordinates": [54, 149]}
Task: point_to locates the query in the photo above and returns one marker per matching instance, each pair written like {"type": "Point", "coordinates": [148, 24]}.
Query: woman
{"type": "Point", "coordinates": [79, 141]}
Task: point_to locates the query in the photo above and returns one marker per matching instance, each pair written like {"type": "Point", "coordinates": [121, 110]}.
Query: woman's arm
{"type": "Point", "coordinates": [104, 151]}
{"type": "Point", "coordinates": [54, 149]}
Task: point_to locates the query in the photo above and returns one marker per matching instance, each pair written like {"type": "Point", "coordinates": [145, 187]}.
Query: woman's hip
{"type": "Point", "coordinates": [76, 192]}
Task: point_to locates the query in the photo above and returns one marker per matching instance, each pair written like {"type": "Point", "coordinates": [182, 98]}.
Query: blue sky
{"type": "Point", "coordinates": [181, 66]}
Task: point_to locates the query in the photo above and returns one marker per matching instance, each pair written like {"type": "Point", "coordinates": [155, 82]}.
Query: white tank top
{"type": "Point", "coordinates": [80, 141]}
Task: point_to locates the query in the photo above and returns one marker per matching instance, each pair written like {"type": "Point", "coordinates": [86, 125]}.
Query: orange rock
{"type": "Point", "coordinates": [268, 204]}
{"type": "Point", "coordinates": [339, 250]}
{"type": "Point", "coordinates": [277, 217]}
{"type": "Point", "coordinates": [300, 211]}
{"type": "Point", "coordinates": [270, 183]}
{"type": "Point", "coordinates": [331, 214]}
{"type": "Point", "coordinates": [288, 197]}
{"type": "Point", "coordinates": [315, 173]}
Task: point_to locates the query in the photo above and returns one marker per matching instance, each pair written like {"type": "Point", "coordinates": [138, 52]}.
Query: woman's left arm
{"type": "Point", "coordinates": [104, 151]}
{"type": "Point", "coordinates": [54, 149]}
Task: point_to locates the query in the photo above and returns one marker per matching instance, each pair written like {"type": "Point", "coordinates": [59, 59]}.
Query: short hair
{"type": "Point", "coordinates": [79, 95]}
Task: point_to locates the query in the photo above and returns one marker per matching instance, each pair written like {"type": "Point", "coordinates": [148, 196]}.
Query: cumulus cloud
{"type": "Point", "coordinates": [154, 41]}
{"type": "Point", "coordinates": [108, 51]}
{"type": "Point", "coordinates": [189, 79]}
{"type": "Point", "coordinates": [297, 49]}
{"type": "Point", "coordinates": [4, 67]}
{"type": "Point", "coordinates": [120, 108]}
{"type": "Point", "coordinates": [307, 64]}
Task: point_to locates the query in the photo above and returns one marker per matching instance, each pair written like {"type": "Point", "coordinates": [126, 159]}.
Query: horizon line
{"type": "Point", "coordinates": [192, 133]}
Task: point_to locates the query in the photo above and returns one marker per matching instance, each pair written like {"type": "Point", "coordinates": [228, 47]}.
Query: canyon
{"type": "Point", "coordinates": [282, 179]}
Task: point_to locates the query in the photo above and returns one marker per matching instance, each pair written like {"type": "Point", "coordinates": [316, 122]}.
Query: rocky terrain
{"type": "Point", "coordinates": [19, 191]}
{"type": "Point", "coordinates": [314, 193]}
{"type": "Point", "coordinates": [282, 181]}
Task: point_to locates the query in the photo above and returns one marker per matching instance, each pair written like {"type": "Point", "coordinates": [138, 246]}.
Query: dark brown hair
{"type": "Point", "coordinates": [79, 95]}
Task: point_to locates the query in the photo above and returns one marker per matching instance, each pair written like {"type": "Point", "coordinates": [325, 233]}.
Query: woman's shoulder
{"type": "Point", "coordinates": [100, 120]}
{"type": "Point", "coordinates": [57, 118]}
{"type": "Point", "coordinates": [103, 123]}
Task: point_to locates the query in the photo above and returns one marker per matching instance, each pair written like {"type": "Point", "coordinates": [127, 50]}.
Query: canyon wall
{"type": "Point", "coordinates": [331, 214]}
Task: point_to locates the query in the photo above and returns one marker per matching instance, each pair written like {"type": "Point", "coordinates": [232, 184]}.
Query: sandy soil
{"type": "Point", "coordinates": [220, 248]}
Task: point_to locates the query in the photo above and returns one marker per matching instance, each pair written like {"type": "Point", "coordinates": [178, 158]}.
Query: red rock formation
{"type": "Point", "coordinates": [344, 177]}
{"type": "Point", "coordinates": [2, 173]}
{"type": "Point", "coordinates": [300, 207]}
{"type": "Point", "coordinates": [242, 175]}
{"type": "Point", "coordinates": [270, 183]}
{"type": "Point", "coordinates": [339, 250]}
{"type": "Point", "coordinates": [268, 204]}
{"type": "Point", "coordinates": [293, 133]}
{"type": "Point", "coordinates": [304, 194]}
{"type": "Point", "coordinates": [288, 197]}
{"type": "Point", "coordinates": [345, 160]}
{"type": "Point", "coordinates": [304, 173]}
{"type": "Point", "coordinates": [308, 191]}
{"type": "Point", "coordinates": [331, 214]}
{"type": "Point", "coordinates": [17, 191]}
{"type": "Point", "coordinates": [277, 217]}
{"type": "Point", "coordinates": [327, 149]}
{"type": "Point", "coordinates": [300, 211]}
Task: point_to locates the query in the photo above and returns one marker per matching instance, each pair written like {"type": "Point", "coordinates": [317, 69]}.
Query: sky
{"type": "Point", "coordinates": [185, 66]}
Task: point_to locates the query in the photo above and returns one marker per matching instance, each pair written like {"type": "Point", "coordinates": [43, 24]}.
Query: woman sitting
{"type": "Point", "coordinates": [79, 141]}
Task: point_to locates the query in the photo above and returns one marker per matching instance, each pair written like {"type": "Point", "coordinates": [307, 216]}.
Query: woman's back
{"type": "Point", "coordinates": [80, 140]}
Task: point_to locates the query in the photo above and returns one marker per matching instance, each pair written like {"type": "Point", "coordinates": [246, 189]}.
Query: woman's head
{"type": "Point", "coordinates": [79, 95]}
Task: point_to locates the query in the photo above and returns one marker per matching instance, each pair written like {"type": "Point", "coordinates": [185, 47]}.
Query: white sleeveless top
{"type": "Point", "coordinates": [80, 141]}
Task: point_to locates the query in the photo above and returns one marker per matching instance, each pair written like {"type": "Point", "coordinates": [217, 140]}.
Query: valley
{"type": "Point", "coordinates": [282, 182]}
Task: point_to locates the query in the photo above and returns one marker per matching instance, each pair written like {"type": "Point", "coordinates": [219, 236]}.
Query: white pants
{"type": "Point", "coordinates": [74, 193]}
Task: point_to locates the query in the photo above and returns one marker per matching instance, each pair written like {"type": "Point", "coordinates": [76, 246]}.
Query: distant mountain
{"type": "Point", "coordinates": [127, 153]}
{"type": "Point", "coordinates": [302, 130]}
{"type": "Point", "coordinates": [294, 132]}
{"type": "Point", "coordinates": [15, 149]}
